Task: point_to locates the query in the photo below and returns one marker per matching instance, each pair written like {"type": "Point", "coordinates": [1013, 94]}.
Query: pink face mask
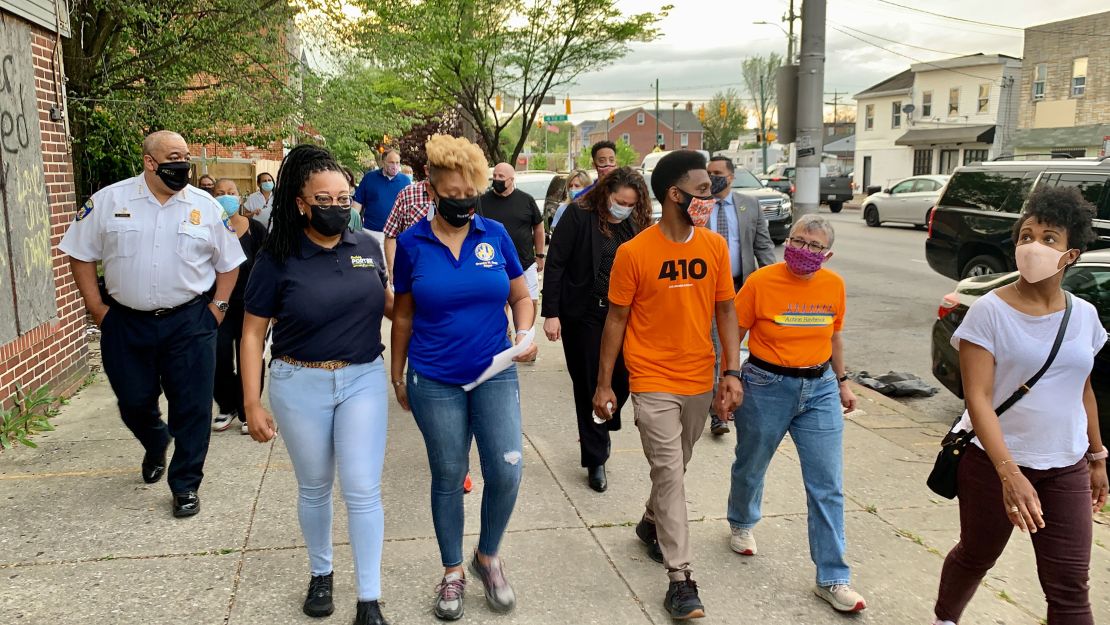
{"type": "Point", "coordinates": [802, 261]}
{"type": "Point", "coordinates": [392, 170]}
{"type": "Point", "coordinates": [1037, 261]}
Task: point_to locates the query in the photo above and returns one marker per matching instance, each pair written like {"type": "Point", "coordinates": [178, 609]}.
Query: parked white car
{"type": "Point", "coordinates": [909, 201]}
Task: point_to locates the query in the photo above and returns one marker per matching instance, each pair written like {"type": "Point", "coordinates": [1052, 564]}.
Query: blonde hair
{"type": "Point", "coordinates": [580, 175]}
{"type": "Point", "coordinates": [458, 154]}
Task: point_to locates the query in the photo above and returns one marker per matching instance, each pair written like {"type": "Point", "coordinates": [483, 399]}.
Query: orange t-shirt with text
{"type": "Point", "coordinates": [791, 320]}
{"type": "Point", "coordinates": [672, 289]}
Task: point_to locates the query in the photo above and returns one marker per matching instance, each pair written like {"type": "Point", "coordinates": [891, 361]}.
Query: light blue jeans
{"type": "Point", "coordinates": [810, 410]}
{"type": "Point", "coordinates": [330, 418]}
{"type": "Point", "coordinates": [449, 418]}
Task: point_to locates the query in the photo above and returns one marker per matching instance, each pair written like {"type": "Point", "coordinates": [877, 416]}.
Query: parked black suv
{"type": "Point", "coordinates": [969, 230]}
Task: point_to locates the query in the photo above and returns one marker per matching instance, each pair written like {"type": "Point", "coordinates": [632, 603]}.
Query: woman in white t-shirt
{"type": "Point", "coordinates": [1041, 465]}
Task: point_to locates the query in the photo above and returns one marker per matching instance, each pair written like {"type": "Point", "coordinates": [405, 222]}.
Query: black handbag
{"type": "Point", "coordinates": [942, 480]}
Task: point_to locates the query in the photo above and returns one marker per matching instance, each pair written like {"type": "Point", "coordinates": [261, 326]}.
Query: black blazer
{"type": "Point", "coordinates": [572, 261]}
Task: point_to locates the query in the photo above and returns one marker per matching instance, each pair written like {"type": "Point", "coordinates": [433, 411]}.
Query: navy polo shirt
{"type": "Point", "coordinates": [459, 319]}
{"type": "Point", "coordinates": [376, 194]}
{"type": "Point", "coordinates": [328, 303]}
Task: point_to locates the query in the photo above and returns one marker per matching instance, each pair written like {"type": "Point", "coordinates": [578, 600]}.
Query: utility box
{"type": "Point", "coordinates": [786, 89]}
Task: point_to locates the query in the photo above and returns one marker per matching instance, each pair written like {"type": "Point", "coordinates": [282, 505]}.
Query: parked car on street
{"type": "Point", "coordinates": [909, 201]}
{"type": "Point", "coordinates": [834, 190]}
{"type": "Point", "coordinates": [651, 158]}
{"type": "Point", "coordinates": [545, 187]}
{"type": "Point", "coordinates": [776, 206]}
{"type": "Point", "coordinates": [969, 230]}
{"type": "Point", "coordinates": [1088, 279]}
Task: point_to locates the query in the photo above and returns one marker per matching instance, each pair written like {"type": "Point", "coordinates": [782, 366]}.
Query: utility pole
{"type": "Point", "coordinates": [762, 130]}
{"type": "Point", "coordinates": [790, 17]}
{"type": "Point", "coordinates": [656, 112]}
{"type": "Point", "coordinates": [811, 106]}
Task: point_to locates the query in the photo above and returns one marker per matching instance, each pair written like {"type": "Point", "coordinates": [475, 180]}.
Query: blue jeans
{"type": "Point", "coordinates": [448, 418]}
{"type": "Point", "coordinates": [810, 410]}
{"type": "Point", "coordinates": [330, 418]}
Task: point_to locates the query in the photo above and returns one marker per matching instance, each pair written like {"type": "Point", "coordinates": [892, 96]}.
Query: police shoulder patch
{"type": "Point", "coordinates": [227, 224]}
{"type": "Point", "coordinates": [85, 209]}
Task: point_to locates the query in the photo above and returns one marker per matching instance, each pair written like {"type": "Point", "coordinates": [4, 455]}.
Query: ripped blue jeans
{"type": "Point", "coordinates": [448, 418]}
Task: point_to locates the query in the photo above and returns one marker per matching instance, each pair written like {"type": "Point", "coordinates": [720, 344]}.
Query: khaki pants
{"type": "Point", "coordinates": [669, 426]}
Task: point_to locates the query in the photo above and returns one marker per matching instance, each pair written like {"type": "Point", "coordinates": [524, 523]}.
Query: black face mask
{"type": "Point", "coordinates": [720, 183]}
{"type": "Point", "coordinates": [174, 174]}
{"type": "Point", "coordinates": [330, 220]}
{"type": "Point", "coordinates": [499, 186]}
{"type": "Point", "coordinates": [456, 212]}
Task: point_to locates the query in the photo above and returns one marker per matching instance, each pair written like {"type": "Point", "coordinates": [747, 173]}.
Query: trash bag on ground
{"type": "Point", "coordinates": [896, 384]}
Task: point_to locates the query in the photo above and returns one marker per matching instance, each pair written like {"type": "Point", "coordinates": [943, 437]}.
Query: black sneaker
{"type": "Point", "coordinates": [646, 533]}
{"type": "Point", "coordinates": [318, 601]}
{"type": "Point", "coordinates": [682, 600]}
{"type": "Point", "coordinates": [718, 427]}
{"type": "Point", "coordinates": [368, 613]}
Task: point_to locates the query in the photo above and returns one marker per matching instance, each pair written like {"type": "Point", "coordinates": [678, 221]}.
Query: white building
{"type": "Point", "coordinates": [935, 117]}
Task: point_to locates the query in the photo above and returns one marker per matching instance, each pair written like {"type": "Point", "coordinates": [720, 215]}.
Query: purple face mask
{"type": "Point", "coordinates": [802, 261]}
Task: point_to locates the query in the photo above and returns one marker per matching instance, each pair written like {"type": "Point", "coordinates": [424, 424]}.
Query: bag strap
{"type": "Point", "coordinates": [1025, 388]}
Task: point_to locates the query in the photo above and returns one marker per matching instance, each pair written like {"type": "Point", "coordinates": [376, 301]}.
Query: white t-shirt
{"type": "Point", "coordinates": [1047, 428]}
{"type": "Point", "coordinates": [258, 202]}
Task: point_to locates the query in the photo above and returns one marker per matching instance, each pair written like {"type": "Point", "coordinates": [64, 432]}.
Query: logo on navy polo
{"type": "Point", "coordinates": [485, 254]}
{"type": "Point", "coordinates": [360, 262]}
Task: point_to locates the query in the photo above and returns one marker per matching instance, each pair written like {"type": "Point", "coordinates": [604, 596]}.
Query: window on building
{"type": "Point", "coordinates": [1079, 77]}
{"type": "Point", "coordinates": [869, 117]}
{"type": "Point", "coordinates": [684, 140]}
{"type": "Point", "coordinates": [639, 119]}
{"type": "Point", "coordinates": [949, 159]}
{"type": "Point", "coordinates": [626, 138]}
{"type": "Point", "coordinates": [926, 104]}
{"type": "Point", "coordinates": [896, 114]}
{"type": "Point", "coordinates": [975, 156]}
{"type": "Point", "coordinates": [922, 162]}
{"type": "Point", "coordinates": [1040, 75]}
{"type": "Point", "coordinates": [1068, 152]}
{"type": "Point", "coordinates": [953, 102]}
{"type": "Point", "coordinates": [984, 98]}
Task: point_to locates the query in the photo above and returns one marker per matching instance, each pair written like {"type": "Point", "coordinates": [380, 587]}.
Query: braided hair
{"type": "Point", "coordinates": [286, 219]}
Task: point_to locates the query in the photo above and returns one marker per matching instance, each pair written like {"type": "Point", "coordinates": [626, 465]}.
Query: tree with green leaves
{"type": "Point", "coordinates": [720, 130]}
{"type": "Point", "coordinates": [477, 53]}
{"type": "Point", "coordinates": [759, 78]}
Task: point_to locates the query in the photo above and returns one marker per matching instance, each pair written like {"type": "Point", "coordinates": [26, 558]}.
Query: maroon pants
{"type": "Point", "coordinates": [1062, 547]}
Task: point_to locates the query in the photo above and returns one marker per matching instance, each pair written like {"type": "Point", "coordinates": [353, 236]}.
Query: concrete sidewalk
{"type": "Point", "coordinates": [83, 540]}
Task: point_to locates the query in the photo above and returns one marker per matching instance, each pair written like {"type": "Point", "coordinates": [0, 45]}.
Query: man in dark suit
{"type": "Point", "coordinates": [739, 219]}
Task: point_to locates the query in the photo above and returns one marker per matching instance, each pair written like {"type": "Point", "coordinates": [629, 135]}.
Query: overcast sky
{"type": "Point", "coordinates": [704, 42]}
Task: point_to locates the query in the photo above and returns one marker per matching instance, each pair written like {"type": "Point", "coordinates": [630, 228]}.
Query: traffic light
{"type": "Point", "coordinates": [612, 116]}
{"type": "Point", "coordinates": [539, 123]}
{"type": "Point", "coordinates": [701, 113]}
{"type": "Point", "coordinates": [724, 109]}
{"type": "Point", "coordinates": [758, 137]}
{"type": "Point", "coordinates": [497, 102]}
{"type": "Point", "coordinates": [568, 105]}
{"type": "Point", "coordinates": [771, 136]}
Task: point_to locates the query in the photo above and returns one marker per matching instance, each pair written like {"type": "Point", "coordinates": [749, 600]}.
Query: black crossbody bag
{"type": "Point", "coordinates": [942, 480]}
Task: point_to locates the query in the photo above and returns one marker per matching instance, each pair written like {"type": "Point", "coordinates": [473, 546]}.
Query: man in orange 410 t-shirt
{"type": "Point", "coordinates": [667, 286]}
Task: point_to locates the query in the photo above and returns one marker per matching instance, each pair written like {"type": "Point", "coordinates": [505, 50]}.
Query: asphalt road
{"type": "Point", "coordinates": [893, 296]}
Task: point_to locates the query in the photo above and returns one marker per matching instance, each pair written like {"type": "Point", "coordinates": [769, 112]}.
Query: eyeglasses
{"type": "Point", "coordinates": [324, 199]}
{"type": "Point", "coordinates": [812, 246]}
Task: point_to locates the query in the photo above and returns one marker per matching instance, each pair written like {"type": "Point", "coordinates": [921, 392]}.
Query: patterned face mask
{"type": "Point", "coordinates": [698, 208]}
{"type": "Point", "coordinates": [802, 261]}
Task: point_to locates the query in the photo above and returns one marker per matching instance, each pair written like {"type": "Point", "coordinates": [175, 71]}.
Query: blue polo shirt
{"type": "Point", "coordinates": [328, 303]}
{"type": "Point", "coordinates": [376, 193]}
{"type": "Point", "coordinates": [459, 319]}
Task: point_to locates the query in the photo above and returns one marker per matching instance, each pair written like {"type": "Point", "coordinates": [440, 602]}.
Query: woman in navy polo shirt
{"type": "Point", "coordinates": [324, 286]}
{"type": "Point", "coordinates": [453, 276]}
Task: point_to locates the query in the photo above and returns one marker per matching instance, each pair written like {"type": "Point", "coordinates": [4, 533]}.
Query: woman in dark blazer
{"type": "Point", "coordinates": [575, 297]}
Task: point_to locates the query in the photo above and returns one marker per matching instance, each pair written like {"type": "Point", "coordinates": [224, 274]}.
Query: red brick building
{"type": "Point", "coordinates": [678, 128]}
{"type": "Point", "coordinates": [42, 328]}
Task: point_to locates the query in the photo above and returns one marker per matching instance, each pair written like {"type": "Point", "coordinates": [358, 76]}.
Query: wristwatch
{"type": "Point", "coordinates": [541, 255]}
{"type": "Point", "coordinates": [733, 372]}
{"type": "Point", "coordinates": [1098, 455]}
{"type": "Point", "coordinates": [842, 379]}
{"type": "Point", "coordinates": [221, 305]}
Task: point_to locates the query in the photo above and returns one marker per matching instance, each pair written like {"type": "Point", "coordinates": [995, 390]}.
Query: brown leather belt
{"type": "Point", "coordinates": [330, 365]}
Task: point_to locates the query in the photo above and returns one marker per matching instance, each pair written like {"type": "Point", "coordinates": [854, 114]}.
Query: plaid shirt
{"type": "Point", "coordinates": [412, 205]}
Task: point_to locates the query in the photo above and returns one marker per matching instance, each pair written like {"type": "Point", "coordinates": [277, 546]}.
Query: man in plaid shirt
{"type": "Point", "coordinates": [412, 205]}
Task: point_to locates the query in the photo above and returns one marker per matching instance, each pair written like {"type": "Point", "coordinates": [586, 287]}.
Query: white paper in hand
{"type": "Point", "coordinates": [503, 360]}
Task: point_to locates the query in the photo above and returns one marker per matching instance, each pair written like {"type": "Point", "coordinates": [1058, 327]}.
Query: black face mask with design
{"type": "Point", "coordinates": [173, 174]}
{"type": "Point", "coordinates": [456, 211]}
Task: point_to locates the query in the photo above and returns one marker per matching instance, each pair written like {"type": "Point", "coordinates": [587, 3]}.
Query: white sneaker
{"type": "Point", "coordinates": [743, 542]}
{"type": "Point", "coordinates": [841, 597]}
{"type": "Point", "coordinates": [244, 429]}
{"type": "Point", "coordinates": [223, 421]}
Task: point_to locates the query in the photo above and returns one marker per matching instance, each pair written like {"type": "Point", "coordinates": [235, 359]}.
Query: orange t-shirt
{"type": "Point", "coordinates": [791, 320]}
{"type": "Point", "coordinates": [672, 289]}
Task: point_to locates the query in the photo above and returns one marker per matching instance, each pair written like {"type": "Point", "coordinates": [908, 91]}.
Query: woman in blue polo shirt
{"type": "Point", "coordinates": [324, 286]}
{"type": "Point", "coordinates": [452, 276]}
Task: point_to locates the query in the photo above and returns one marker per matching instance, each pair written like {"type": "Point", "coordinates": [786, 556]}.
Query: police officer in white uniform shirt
{"type": "Point", "coordinates": [164, 244]}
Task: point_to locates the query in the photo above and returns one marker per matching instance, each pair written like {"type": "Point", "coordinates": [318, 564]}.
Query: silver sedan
{"type": "Point", "coordinates": [909, 201]}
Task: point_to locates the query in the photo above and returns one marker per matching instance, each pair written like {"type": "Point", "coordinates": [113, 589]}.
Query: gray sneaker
{"type": "Point", "coordinates": [449, 597]}
{"type": "Point", "coordinates": [499, 594]}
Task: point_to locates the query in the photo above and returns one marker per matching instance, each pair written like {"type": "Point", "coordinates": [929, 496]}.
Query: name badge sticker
{"type": "Point", "coordinates": [359, 262]}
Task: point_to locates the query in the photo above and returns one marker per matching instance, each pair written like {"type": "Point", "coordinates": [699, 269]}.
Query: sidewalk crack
{"type": "Point", "coordinates": [246, 539]}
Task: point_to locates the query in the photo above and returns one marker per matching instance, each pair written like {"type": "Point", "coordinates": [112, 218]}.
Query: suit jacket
{"type": "Point", "coordinates": [756, 248]}
{"type": "Point", "coordinates": [572, 262]}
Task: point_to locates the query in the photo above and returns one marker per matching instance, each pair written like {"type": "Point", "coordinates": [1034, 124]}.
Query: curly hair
{"type": "Point", "coordinates": [1063, 207]}
{"type": "Point", "coordinates": [447, 153]}
{"type": "Point", "coordinates": [287, 221]}
{"type": "Point", "coordinates": [597, 199]}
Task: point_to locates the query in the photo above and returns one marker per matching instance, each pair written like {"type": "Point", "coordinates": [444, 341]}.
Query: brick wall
{"type": "Point", "coordinates": [55, 353]}
{"type": "Point", "coordinates": [642, 137]}
{"type": "Point", "coordinates": [1057, 45]}
{"type": "Point", "coordinates": [271, 152]}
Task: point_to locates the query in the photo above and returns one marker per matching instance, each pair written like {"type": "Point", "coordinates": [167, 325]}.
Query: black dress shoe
{"type": "Point", "coordinates": [597, 478]}
{"type": "Point", "coordinates": [185, 504]}
{"type": "Point", "coordinates": [154, 465]}
{"type": "Point", "coordinates": [318, 601]}
{"type": "Point", "coordinates": [368, 613]}
{"type": "Point", "coordinates": [646, 533]}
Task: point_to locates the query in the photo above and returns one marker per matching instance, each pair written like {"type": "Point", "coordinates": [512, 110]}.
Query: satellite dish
{"type": "Point", "coordinates": [909, 108]}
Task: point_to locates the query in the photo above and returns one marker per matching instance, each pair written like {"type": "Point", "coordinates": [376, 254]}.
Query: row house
{"type": "Point", "coordinates": [679, 128]}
